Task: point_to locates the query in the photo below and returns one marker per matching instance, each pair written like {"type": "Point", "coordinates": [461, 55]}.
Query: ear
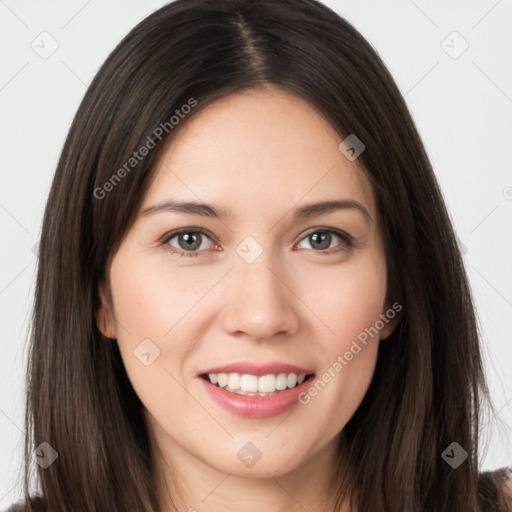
{"type": "Point", "coordinates": [390, 317]}
{"type": "Point", "coordinates": [104, 315]}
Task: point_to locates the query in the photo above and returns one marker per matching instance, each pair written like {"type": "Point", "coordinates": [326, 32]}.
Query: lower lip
{"type": "Point", "coordinates": [256, 406]}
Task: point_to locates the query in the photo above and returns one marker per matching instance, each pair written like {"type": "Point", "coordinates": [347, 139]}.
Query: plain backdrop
{"type": "Point", "coordinates": [452, 61]}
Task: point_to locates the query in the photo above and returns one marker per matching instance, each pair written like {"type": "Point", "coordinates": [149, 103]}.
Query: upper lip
{"type": "Point", "coordinates": [259, 369]}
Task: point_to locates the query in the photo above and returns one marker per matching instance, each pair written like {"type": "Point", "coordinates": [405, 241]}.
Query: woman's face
{"type": "Point", "coordinates": [259, 282]}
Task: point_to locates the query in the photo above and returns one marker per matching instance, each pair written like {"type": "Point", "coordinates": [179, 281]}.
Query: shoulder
{"type": "Point", "coordinates": [495, 487]}
{"type": "Point", "coordinates": [38, 505]}
{"type": "Point", "coordinates": [506, 490]}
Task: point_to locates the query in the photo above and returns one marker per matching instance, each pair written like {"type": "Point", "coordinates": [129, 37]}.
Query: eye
{"type": "Point", "coordinates": [320, 240]}
{"type": "Point", "coordinates": [189, 242]}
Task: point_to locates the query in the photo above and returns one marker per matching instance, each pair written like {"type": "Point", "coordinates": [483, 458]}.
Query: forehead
{"type": "Point", "coordinates": [258, 149]}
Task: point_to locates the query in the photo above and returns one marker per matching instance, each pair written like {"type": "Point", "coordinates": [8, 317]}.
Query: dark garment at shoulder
{"type": "Point", "coordinates": [490, 490]}
{"type": "Point", "coordinates": [38, 505]}
{"type": "Point", "coordinates": [490, 485]}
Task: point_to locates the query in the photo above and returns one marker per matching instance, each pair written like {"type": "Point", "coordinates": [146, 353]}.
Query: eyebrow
{"type": "Point", "coordinates": [208, 210]}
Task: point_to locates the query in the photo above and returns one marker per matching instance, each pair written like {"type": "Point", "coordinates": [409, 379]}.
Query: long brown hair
{"type": "Point", "coordinates": [429, 386]}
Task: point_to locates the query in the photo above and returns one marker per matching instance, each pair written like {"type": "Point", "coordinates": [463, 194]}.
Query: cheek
{"type": "Point", "coordinates": [147, 309]}
{"type": "Point", "coordinates": [149, 300]}
{"type": "Point", "coordinates": [349, 303]}
{"type": "Point", "coordinates": [349, 353]}
{"type": "Point", "coordinates": [158, 303]}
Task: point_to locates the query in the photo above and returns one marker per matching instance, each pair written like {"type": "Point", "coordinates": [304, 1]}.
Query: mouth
{"type": "Point", "coordinates": [256, 385]}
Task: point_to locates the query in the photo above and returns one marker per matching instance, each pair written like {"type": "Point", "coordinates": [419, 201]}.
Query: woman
{"type": "Point", "coordinates": [193, 348]}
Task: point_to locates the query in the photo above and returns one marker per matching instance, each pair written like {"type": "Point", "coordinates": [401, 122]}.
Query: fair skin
{"type": "Point", "coordinates": [261, 155]}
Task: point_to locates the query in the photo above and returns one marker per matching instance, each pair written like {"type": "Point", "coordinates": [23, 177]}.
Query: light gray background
{"type": "Point", "coordinates": [462, 107]}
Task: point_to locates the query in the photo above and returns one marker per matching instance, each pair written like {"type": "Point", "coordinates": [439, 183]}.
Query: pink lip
{"type": "Point", "coordinates": [256, 406]}
{"type": "Point", "coordinates": [257, 369]}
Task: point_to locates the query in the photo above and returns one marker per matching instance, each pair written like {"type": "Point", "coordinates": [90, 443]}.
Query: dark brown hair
{"type": "Point", "coordinates": [428, 389]}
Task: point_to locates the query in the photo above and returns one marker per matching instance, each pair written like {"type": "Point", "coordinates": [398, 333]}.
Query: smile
{"type": "Point", "coordinates": [235, 398]}
{"type": "Point", "coordinates": [254, 385]}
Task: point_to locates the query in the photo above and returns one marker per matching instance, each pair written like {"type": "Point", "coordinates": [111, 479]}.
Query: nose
{"type": "Point", "coordinates": [259, 301]}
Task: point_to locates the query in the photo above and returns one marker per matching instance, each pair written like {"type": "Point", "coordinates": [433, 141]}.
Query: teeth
{"type": "Point", "coordinates": [249, 383]}
{"type": "Point", "coordinates": [234, 381]}
{"type": "Point", "coordinates": [238, 392]}
{"type": "Point", "coordinates": [223, 379]}
{"type": "Point", "coordinates": [267, 383]}
{"type": "Point", "coordinates": [291, 380]}
{"type": "Point", "coordinates": [252, 385]}
{"type": "Point", "coordinates": [282, 381]}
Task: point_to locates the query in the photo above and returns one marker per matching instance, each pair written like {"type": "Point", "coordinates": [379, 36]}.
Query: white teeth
{"type": "Point", "coordinates": [267, 383]}
{"type": "Point", "coordinates": [223, 379]}
{"type": "Point", "coordinates": [234, 381]}
{"type": "Point", "coordinates": [249, 383]}
{"type": "Point", "coordinates": [252, 385]}
{"type": "Point", "coordinates": [238, 392]}
{"type": "Point", "coordinates": [282, 381]}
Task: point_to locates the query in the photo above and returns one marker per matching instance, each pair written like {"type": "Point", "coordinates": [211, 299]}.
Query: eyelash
{"type": "Point", "coordinates": [348, 241]}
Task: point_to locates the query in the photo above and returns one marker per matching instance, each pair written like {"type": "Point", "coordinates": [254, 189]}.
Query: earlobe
{"type": "Point", "coordinates": [390, 317]}
{"type": "Point", "coordinates": [104, 315]}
